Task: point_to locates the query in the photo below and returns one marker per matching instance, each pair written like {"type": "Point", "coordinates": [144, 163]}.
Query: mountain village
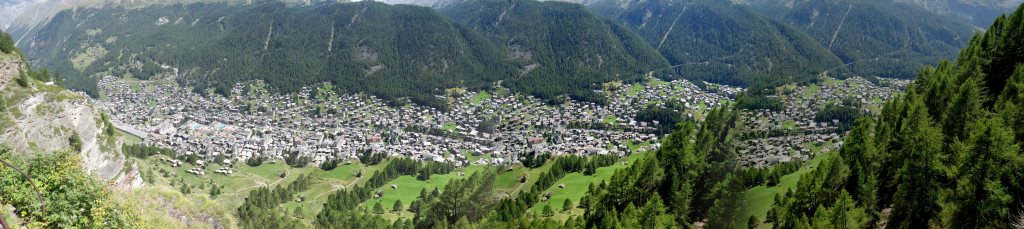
{"type": "Point", "coordinates": [322, 125]}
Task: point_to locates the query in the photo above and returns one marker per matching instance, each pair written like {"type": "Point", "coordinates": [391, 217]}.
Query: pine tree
{"type": "Point", "coordinates": [299, 213]}
{"type": "Point", "coordinates": [863, 159]}
{"type": "Point", "coordinates": [982, 197]}
{"type": "Point", "coordinates": [23, 79]}
{"type": "Point", "coordinates": [547, 212]}
{"type": "Point", "coordinates": [727, 208]}
{"type": "Point", "coordinates": [1011, 103]}
{"type": "Point", "coordinates": [6, 43]}
{"type": "Point", "coordinates": [656, 215]}
{"type": "Point", "coordinates": [76, 142]}
{"type": "Point", "coordinates": [378, 208]}
{"type": "Point", "coordinates": [822, 218]}
{"type": "Point", "coordinates": [630, 216]}
{"type": "Point", "coordinates": [214, 191]}
{"type": "Point", "coordinates": [567, 205]}
{"type": "Point", "coordinates": [843, 212]}
{"type": "Point", "coordinates": [397, 207]}
{"type": "Point", "coordinates": [463, 223]}
{"type": "Point", "coordinates": [962, 113]}
{"type": "Point", "coordinates": [915, 200]}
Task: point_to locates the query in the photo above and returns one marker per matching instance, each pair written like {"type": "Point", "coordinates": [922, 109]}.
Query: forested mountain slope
{"type": "Point", "coordinates": [722, 42]}
{"type": "Point", "coordinates": [560, 45]}
{"type": "Point", "coordinates": [543, 49]}
{"type": "Point", "coordinates": [361, 47]}
{"type": "Point", "coordinates": [874, 37]}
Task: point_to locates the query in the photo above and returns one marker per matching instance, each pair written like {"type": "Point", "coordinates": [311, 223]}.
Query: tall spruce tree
{"type": "Point", "coordinates": [988, 166]}
{"type": "Point", "coordinates": [915, 200]}
{"type": "Point", "coordinates": [963, 112]}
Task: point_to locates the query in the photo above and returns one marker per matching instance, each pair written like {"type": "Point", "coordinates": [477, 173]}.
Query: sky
{"type": "Point", "coordinates": [15, 2]}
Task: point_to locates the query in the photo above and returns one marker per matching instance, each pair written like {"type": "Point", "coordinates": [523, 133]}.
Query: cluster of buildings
{"type": "Point", "coordinates": [323, 125]}
{"type": "Point", "coordinates": [793, 134]}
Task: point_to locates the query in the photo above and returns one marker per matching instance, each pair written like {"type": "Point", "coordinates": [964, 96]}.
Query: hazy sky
{"type": "Point", "coordinates": [13, 2]}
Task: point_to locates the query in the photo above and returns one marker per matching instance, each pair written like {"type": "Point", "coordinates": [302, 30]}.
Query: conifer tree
{"type": "Point", "coordinates": [397, 207]}
{"type": "Point", "coordinates": [989, 165]}
{"type": "Point", "coordinates": [915, 200]}
{"type": "Point", "coordinates": [962, 113]}
{"type": "Point", "coordinates": [378, 208]}
{"type": "Point", "coordinates": [547, 212]}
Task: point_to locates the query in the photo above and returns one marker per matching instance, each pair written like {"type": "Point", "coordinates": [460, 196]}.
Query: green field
{"type": "Point", "coordinates": [634, 146]}
{"type": "Point", "coordinates": [811, 91]}
{"type": "Point", "coordinates": [853, 84]}
{"type": "Point", "coordinates": [832, 82]}
{"type": "Point", "coordinates": [408, 187]}
{"type": "Point", "coordinates": [610, 120]}
{"type": "Point", "coordinates": [815, 148]}
{"type": "Point", "coordinates": [657, 82]}
{"type": "Point", "coordinates": [450, 127]}
{"type": "Point", "coordinates": [576, 185]}
{"type": "Point", "coordinates": [480, 98]}
{"type": "Point", "coordinates": [236, 187]}
{"type": "Point", "coordinates": [761, 198]}
{"type": "Point", "coordinates": [635, 89]}
{"type": "Point", "coordinates": [789, 125]}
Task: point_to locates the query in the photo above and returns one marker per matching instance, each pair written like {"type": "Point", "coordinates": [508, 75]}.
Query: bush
{"type": "Point", "coordinates": [329, 165]}
{"type": "Point", "coordinates": [6, 43]}
{"type": "Point", "coordinates": [254, 161]}
{"type": "Point", "coordinates": [76, 142]}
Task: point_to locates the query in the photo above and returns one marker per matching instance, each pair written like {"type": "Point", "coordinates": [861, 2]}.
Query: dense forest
{"type": "Point", "coordinates": [720, 42]}
{"type": "Point", "coordinates": [360, 47]}
{"type": "Point", "coordinates": [560, 44]}
{"type": "Point", "coordinates": [876, 37]}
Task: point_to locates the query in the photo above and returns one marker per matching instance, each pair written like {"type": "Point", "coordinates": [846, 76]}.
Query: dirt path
{"type": "Point", "coordinates": [517, 188]}
{"type": "Point", "coordinates": [349, 186]}
{"type": "Point", "coordinates": [259, 183]}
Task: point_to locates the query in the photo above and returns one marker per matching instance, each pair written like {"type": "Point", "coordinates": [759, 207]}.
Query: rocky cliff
{"type": "Point", "coordinates": [43, 118]}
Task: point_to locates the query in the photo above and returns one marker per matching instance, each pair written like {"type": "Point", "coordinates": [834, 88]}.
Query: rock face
{"type": "Point", "coordinates": [42, 118]}
{"type": "Point", "coordinates": [8, 69]}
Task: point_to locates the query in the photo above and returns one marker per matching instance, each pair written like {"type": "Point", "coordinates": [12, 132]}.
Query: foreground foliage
{"type": "Point", "coordinates": [71, 198]}
{"type": "Point", "coordinates": [945, 154]}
